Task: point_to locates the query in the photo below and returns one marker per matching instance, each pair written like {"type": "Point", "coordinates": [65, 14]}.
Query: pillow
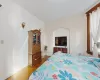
{"type": "Point", "coordinates": [58, 53]}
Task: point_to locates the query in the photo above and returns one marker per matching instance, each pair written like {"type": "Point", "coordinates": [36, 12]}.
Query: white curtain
{"type": "Point", "coordinates": [95, 30]}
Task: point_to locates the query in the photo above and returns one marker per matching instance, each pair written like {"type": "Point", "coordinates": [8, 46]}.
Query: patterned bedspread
{"type": "Point", "coordinates": [67, 67]}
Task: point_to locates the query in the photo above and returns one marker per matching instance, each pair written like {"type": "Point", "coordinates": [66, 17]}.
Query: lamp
{"type": "Point", "coordinates": [98, 46]}
{"type": "Point", "coordinates": [45, 48]}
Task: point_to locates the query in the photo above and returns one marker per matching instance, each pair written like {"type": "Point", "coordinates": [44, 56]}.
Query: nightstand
{"type": "Point", "coordinates": [46, 57]}
{"type": "Point", "coordinates": [99, 55]}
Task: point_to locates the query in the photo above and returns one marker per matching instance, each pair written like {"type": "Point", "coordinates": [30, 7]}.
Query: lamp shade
{"type": "Point", "coordinates": [98, 45]}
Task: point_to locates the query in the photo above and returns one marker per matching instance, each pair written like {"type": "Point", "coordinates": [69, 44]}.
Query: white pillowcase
{"type": "Point", "coordinates": [58, 53]}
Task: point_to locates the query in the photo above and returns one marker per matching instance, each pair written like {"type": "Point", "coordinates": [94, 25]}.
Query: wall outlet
{"type": "Point", "coordinates": [2, 41]}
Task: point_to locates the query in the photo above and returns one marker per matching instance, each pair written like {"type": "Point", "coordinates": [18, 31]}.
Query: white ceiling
{"type": "Point", "coordinates": [50, 10]}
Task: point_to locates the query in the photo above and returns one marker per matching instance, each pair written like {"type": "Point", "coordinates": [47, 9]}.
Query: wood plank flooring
{"type": "Point", "coordinates": [26, 72]}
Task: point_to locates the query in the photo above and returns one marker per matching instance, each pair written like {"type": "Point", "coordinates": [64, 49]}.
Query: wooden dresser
{"type": "Point", "coordinates": [34, 47]}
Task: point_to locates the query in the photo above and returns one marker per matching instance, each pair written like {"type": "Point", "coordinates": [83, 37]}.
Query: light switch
{"type": "Point", "coordinates": [2, 41]}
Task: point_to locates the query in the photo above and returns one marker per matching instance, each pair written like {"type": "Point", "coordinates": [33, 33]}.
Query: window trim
{"type": "Point", "coordinates": [88, 27]}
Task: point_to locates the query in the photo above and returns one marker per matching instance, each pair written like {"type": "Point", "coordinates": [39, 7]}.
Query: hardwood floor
{"type": "Point", "coordinates": [26, 72]}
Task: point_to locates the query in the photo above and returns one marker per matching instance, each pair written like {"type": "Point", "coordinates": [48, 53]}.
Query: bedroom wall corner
{"type": "Point", "coordinates": [78, 30]}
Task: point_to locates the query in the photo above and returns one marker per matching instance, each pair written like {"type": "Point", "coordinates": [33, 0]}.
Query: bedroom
{"type": "Point", "coordinates": [55, 18]}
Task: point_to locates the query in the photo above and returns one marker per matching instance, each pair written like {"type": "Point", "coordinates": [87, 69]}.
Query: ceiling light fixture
{"type": "Point", "coordinates": [23, 25]}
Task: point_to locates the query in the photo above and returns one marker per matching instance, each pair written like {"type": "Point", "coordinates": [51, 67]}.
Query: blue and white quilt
{"type": "Point", "coordinates": [66, 67]}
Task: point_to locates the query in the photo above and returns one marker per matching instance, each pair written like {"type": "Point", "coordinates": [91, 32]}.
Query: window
{"type": "Point", "coordinates": [93, 29]}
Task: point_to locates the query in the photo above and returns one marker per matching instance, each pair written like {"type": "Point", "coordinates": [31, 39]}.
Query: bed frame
{"type": "Point", "coordinates": [56, 49]}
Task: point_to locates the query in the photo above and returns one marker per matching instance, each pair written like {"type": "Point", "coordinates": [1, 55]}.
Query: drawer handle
{"type": "Point", "coordinates": [37, 58]}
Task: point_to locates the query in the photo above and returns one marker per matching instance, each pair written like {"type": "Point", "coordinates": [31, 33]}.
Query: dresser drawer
{"type": "Point", "coordinates": [36, 55]}
{"type": "Point", "coordinates": [36, 58]}
{"type": "Point", "coordinates": [36, 61]}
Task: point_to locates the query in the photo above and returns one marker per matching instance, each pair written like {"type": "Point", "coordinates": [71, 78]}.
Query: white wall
{"type": "Point", "coordinates": [14, 50]}
{"type": "Point", "coordinates": [61, 32]}
{"type": "Point", "coordinates": [77, 26]}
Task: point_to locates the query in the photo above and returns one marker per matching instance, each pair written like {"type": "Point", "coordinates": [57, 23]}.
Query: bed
{"type": "Point", "coordinates": [67, 67]}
